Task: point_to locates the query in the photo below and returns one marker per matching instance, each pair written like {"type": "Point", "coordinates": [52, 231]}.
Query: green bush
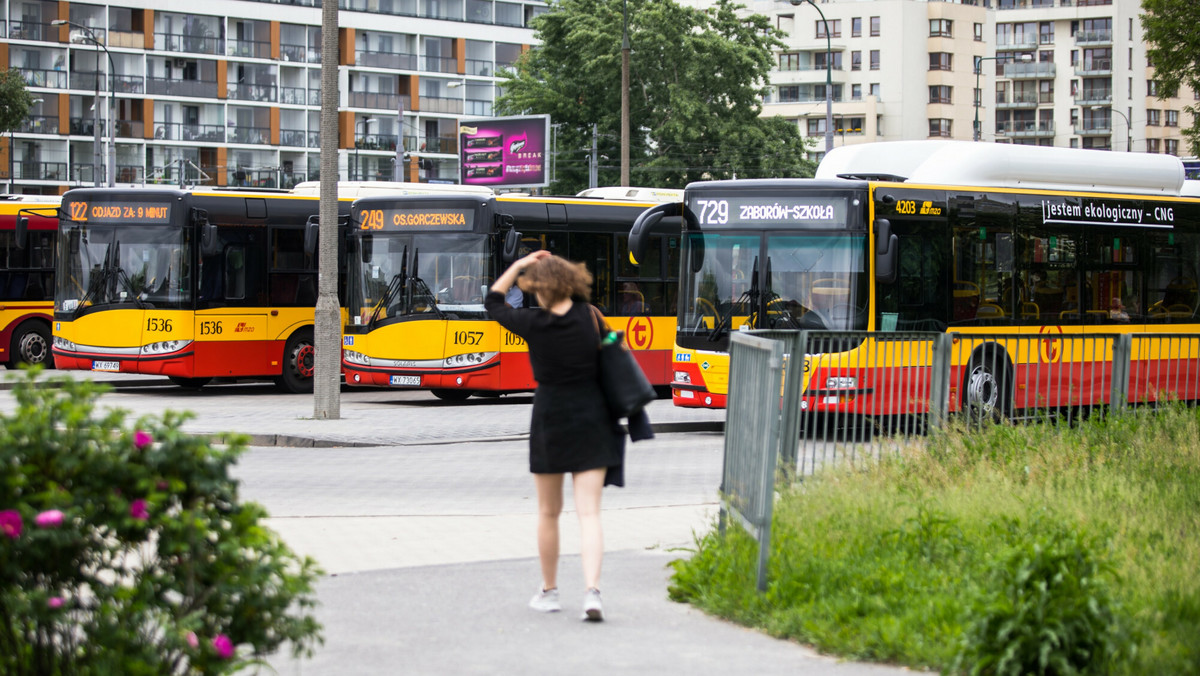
{"type": "Point", "coordinates": [124, 549]}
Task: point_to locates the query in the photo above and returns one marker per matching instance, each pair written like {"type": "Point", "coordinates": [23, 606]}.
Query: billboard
{"type": "Point", "coordinates": [505, 151]}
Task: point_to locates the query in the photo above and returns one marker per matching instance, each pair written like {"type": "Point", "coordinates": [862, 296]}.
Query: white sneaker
{"type": "Point", "coordinates": [545, 601]}
{"type": "Point", "coordinates": [593, 610]}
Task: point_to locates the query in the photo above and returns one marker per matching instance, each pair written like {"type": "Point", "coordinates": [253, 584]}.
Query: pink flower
{"type": "Point", "coordinates": [223, 646]}
{"type": "Point", "coordinates": [11, 523]}
{"type": "Point", "coordinates": [51, 518]}
{"type": "Point", "coordinates": [55, 602]}
{"type": "Point", "coordinates": [192, 640]}
{"type": "Point", "coordinates": [142, 439]}
{"type": "Point", "coordinates": [137, 509]}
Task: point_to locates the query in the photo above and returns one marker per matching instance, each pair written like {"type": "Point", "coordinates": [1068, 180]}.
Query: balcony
{"type": "Point", "coordinates": [1095, 97]}
{"type": "Point", "coordinates": [1093, 67]}
{"type": "Point", "coordinates": [40, 77]}
{"type": "Point", "coordinates": [397, 60]}
{"type": "Point", "coordinates": [33, 30]}
{"type": "Point", "coordinates": [253, 178]}
{"type": "Point", "coordinates": [129, 84]}
{"type": "Point", "coordinates": [376, 100]}
{"type": "Point", "coordinates": [479, 67]}
{"type": "Point", "coordinates": [39, 124]}
{"type": "Point", "coordinates": [297, 138]}
{"type": "Point", "coordinates": [299, 54]}
{"type": "Point", "coordinates": [126, 40]}
{"type": "Point", "coordinates": [1094, 128]}
{"type": "Point", "coordinates": [84, 126]}
{"type": "Point", "coordinates": [375, 142]}
{"type": "Point", "coordinates": [440, 144]}
{"type": "Point", "coordinates": [440, 64]}
{"type": "Point", "coordinates": [1025, 129]}
{"type": "Point", "coordinates": [477, 108]}
{"type": "Point", "coordinates": [253, 135]}
{"type": "Point", "coordinates": [1093, 38]}
{"type": "Point", "coordinates": [204, 89]}
{"type": "Point", "coordinates": [299, 96]}
{"type": "Point", "coordinates": [1018, 102]}
{"type": "Point", "coordinates": [196, 44]}
{"type": "Point", "coordinates": [126, 173]}
{"type": "Point", "coordinates": [434, 104]}
{"type": "Point", "coordinates": [1017, 43]}
{"type": "Point", "coordinates": [33, 170]}
{"type": "Point", "coordinates": [248, 49]}
{"type": "Point", "coordinates": [1029, 71]}
{"type": "Point", "coordinates": [179, 131]}
{"type": "Point", "coordinates": [252, 92]}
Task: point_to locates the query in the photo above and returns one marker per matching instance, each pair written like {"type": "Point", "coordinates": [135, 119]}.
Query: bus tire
{"type": "Point", "coordinates": [451, 395]}
{"type": "Point", "coordinates": [189, 383]}
{"type": "Point", "coordinates": [987, 387]}
{"type": "Point", "coordinates": [30, 345]}
{"type": "Point", "coordinates": [298, 363]}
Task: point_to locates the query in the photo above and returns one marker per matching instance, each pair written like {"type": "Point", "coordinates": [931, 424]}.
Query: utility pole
{"type": "Point", "coordinates": [625, 92]}
{"type": "Point", "coordinates": [594, 164]}
{"type": "Point", "coordinates": [327, 333]}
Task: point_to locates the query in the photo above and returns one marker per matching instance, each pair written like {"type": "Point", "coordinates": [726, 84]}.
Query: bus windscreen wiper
{"type": "Point", "coordinates": [750, 296]}
{"type": "Point", "coordinates": [398, 282]}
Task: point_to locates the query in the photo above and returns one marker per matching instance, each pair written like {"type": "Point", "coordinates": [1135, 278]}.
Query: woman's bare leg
{"type": "Point", "coordinates": [588, 487]}
{"type": "Point", "coordinates": [550, 504]}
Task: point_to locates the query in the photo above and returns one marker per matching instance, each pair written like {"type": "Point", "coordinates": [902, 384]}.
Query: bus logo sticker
{"type": "Point", "coordinates": [704, 365]}
{"type": "Point", "coordinates": [243, 327]}
{"type": "Point", "coordinates": [639, 331]}
{"type": "Point", "coordinates": [1049, 344]}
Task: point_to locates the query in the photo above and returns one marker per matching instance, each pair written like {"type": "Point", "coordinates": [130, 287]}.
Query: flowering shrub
{"type": "Point", "coordinates": [125, 550]}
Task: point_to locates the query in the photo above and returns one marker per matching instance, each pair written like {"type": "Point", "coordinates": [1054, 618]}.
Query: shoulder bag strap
{"type": "Point", "coordinates": [596, 315]}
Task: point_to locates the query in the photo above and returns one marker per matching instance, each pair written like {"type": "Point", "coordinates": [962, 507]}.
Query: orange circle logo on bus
{"type": "Point", "coordinates": [1049, 350]}
{"type": "Point", "coordinates": [639, 333]}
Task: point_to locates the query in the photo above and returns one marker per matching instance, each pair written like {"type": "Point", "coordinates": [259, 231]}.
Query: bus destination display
{"type": "Point", "coordinates": [119, 212]}
{"type": "Point", "coordinates": [420, 218]}
{"type": "Point", "coordinates": [770, 211]}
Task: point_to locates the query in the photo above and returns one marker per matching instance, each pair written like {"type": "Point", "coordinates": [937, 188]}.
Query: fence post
{"type": "Point", "coordinates": [1122, 354]}
{"type": "Point", "coordinates": [793, 384]}
{"type": "Point", "coordinates": [939, 381]}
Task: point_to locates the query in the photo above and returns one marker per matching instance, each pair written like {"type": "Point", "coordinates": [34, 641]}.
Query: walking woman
{"type": "Point", "coordinates": [571, 430]}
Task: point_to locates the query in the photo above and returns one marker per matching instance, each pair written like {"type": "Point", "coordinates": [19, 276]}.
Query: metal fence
{"type": "Point", "coordinates": [820, 398]}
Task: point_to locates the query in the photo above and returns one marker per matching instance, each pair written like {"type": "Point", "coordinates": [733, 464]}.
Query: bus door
{"type": "Point", "coordinates": [231, 323]}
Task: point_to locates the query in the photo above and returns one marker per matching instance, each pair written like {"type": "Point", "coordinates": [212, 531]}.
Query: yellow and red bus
{"type": "Point", "coordinates": [418, 268]}
{"type": "Point", "coordinates": [960, 237]}
{"type": "Point", "coordinates": [28, 229]}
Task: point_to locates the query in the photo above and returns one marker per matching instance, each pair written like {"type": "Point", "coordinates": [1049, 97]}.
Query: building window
{"type": "Point", "coordinates": [835, 28]}
{"type": "Point", "coordinates": [1151, 88]}
{"type": "Point", "coordinates": [821, 58]}
{"type": "Point", "coordinates": [978, 32]}
{"type": "Point", "coordinates": [789, 61]}
{"type": "Point", "coordinates": [939, 126]}
{"type": "Point", "coordinates": [855, 60]}
{"type": "Point", "coordinates": [1046, 91]}
{"type": "Point", "coordinates": [856, 92]}
{"type": "Point", "coordinates": [835, 92]}
{"type": "Point", "coordinates": [1046, 33]}
{"type": "Point", "coordinates": [875, 89]}
{"type": "Point", "coordinates": [1153, 117]}
{"type": "Point", "coordinates": [1171, 146]}
{"type": "Point", "coordinates": [941, 61]}
{"type": "Point", "coordinates": [816, 126]}
{"type": "Point", "coordinates": [786, 23]}
{"type": "Point", "coordinates": [874, 59]}
{"type": "Point", "coordinates": [939, 94]}
{"type": "Point", "coordinates": [848, 125]}
{"type": "Point", "coordinates": [789, 94]}
{"type": "Point", "coordinates": [941, 28]}
{"type": "Point", "coordinates": [874, 26]}
{"type": "Point", "coordinates": [1153, 145]}
{"type": "Point", "coordinates": [1172, 118]}
{"type": "Point", "coordinates": [856, 27]}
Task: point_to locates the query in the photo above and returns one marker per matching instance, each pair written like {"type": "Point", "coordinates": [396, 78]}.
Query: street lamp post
{"type": "Point", "coordinates": [357, 165]}
{"type": "Point", "coordinates": [112, 99]}
{"type": "Point", "coordinates": [978, 133]}
{"type": "Point", "coordinates": [828, 74]}
{"type": "Point", "coordinates": [1128, 127]}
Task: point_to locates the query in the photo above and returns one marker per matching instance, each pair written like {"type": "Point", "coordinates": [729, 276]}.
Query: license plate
{"type": "Point", "coordinates": [410, 381]}
{"type": "Point", "coordinates": [106, 366]}
{"type": "Point", "coordinates": [686, 394]}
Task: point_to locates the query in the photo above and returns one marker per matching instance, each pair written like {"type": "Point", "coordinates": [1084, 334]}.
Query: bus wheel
{"type": "Point", "coordinates": [189, 383]}
{"type": "Point", "coordinates": [298, 358]}
{"type": "Point", "coordinates": [30, 345]}
{"type": "Point", "coordinates": [451, 395]}
{"type": "Point", "coordinates": [985, 388]}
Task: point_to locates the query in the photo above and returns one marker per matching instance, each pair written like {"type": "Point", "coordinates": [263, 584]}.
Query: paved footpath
{"type": "Point", "coordinates": [425, 532]}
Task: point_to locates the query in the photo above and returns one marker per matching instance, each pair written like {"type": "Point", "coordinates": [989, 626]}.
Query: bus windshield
{"type": "Point", "coordinates": [425, 274]}
{"type": "Point", "coordinates": [731, 281]}
{"type": "Point", "coordinates": [143, 266]}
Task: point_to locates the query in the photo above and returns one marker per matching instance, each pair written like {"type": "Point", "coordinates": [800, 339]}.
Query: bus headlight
{"type": "Point", "coordinates": [164, 347]}
{"type": "Point", "coordinates": [468, 359]}
{"type": "Point", "coordinates": [355, 357]}
{"type": "Point", "coordinates": [841, 383]}
{"type": "Point", "coordinates": [683, 377]}
{"type": "Point", "coordinates": [63, 344]}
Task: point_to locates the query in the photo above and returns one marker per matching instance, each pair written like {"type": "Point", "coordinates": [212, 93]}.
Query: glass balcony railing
{"type": "Point", "coordinates": [40, 77]}
{"type": "Point", "coordinates": [34, 170]}
{"type": "Point", "coordinates": [398, 60]}
{"type": "Point", "coordinates": [249, 49]}
{"type": "Point", "coordinates": [39, 124]}
{"type": "Point", "coordinates": [255, 135]}
{"type": "Point", "coordinates": [180, 131]}
{"type": "Point", "coordinates": [252, 92]}
{"type": "Point", "coordinates": [377, 100]}
{"type": "Point", "coordinates": [205, 89]}
{"type": "Point", "coordinates": [179, 42]}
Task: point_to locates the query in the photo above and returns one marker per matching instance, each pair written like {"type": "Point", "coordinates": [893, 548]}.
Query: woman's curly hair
{"type": "Point", "coordinates": [555, 279]}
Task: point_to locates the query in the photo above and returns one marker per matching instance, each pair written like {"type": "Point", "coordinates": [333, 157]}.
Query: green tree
{"type": "Point", "coordinates": [696, 84]}
{"type": "Point", "coordinates": [1173, 46]}
{"type": "Point", "coordinates": [15, 100]}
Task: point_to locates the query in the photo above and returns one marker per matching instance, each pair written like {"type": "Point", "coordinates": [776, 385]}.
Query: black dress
{"type": "Point", "coordinates": [571, 429]}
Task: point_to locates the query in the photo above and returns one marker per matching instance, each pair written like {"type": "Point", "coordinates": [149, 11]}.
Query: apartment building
{"type": "Point", "coordinates": [1068, 73]}
{"type": "Point", "coordinates": [228, 92]}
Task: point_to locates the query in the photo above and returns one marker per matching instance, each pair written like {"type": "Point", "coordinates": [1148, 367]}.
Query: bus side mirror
{"type": "Point", "coordinates": [512, 242]}
{"type": "Point", "coordinates": [639, 232]}
{"type": "Point", "coordinates": [312, 234]}
{"type": "Point", "coordinates": [22, 233]}
{"type": "Point", "coordinates": [210, 244]}
{"type": "Point", "coordinates": [885, 252]}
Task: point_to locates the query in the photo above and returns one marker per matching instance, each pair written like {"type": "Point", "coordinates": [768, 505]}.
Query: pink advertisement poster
{"type": "Point", "coordinates": [505, 151]}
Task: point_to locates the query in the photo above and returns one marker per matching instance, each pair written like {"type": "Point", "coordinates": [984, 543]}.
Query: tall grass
{"type": "Point", "coordinates": [1016, 549]}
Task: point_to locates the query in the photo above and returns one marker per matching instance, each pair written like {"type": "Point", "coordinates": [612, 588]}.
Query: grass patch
{"type": "Point", "coordinates": [1017, 549]}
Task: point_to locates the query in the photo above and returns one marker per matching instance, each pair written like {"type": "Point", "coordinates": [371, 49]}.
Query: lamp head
{"type": "Point", "coordinates": [58, 22]}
